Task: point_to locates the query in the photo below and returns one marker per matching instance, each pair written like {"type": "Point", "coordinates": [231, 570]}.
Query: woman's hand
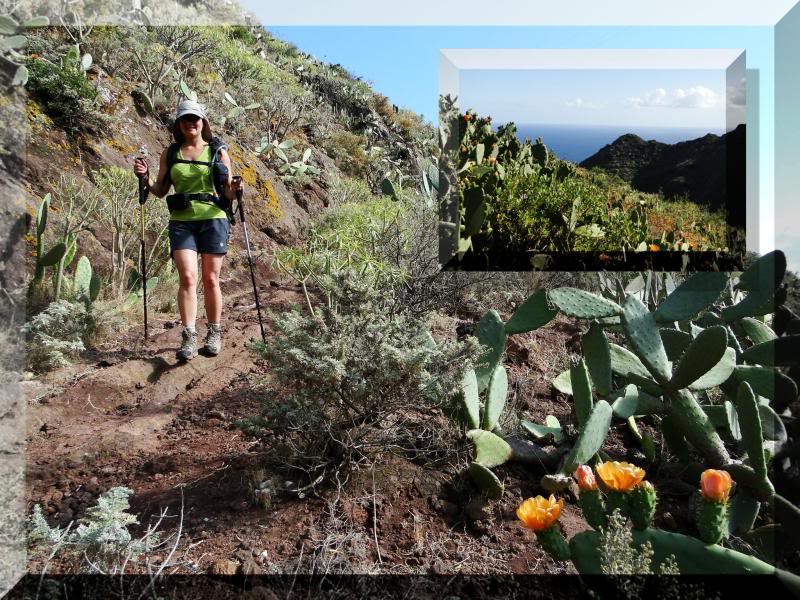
{"type": "Point", "coordinates": [237, 185]}
{"type": "Point", "coordinates": [140, 167]}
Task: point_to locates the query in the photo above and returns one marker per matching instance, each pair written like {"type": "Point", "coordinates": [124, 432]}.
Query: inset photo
{"type": "Point", "coordinates": [561, 168]}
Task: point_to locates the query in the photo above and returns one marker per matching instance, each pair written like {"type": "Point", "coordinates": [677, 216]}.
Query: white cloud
{"type": "Point", "coordinates": [694, 97]}
{"type": "Point", "coordinates": [581, 103]}
{"type": "Point", "coordinates": [737, 94]}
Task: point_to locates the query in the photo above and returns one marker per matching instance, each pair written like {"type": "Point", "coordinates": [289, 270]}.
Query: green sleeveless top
{"type": "Point", "coordinates": [195, 179]}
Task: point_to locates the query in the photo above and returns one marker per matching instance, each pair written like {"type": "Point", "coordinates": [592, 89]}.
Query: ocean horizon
{"type": "Point", "coordinates": [576, 143]}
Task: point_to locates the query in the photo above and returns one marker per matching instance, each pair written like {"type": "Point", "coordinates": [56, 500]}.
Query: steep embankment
{"type": "Point", "coordinates": [697, 169]}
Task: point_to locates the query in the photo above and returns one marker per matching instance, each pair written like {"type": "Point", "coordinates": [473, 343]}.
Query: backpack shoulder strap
{"type": "Point", "coordinates": [172, 157]}
{"type": "Point", "coordinates": [215, 145]}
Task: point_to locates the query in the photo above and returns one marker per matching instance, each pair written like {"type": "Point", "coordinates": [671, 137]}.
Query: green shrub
{"type": "Point", "coordinates": [354, 377]}
{"type": "Point", "coordinates": [66, 95]}
{"type": "Point", "coordinates": [352, 237]}
{"type": "Point", "coordinates": [348, 151]}
{"type": "Point", "coordinates": [57, 333]}
{"type": "Point", "coordinates": [102, 538]}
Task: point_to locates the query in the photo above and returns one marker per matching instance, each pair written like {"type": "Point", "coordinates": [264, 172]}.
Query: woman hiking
{"type": "Point", "coordinates": [200, 172]}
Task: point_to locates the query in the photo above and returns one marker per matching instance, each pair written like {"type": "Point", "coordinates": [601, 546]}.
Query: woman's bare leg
{"type": "Point", "coordinates": [211, 265]}
{"type": "Point", "coordinates": [186, 264]}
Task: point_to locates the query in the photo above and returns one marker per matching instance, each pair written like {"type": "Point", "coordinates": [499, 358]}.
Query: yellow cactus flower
{"type": "Point", "coordinates": [585, 477]}
{"type": "Point", "coordinates": [654, 247]}
{"type": "Point", "coordinates": [619, 476]}
{"type": "Point", "coordinates": [540, 513]}
{"type": "Point", "coordinates": [715, 485]}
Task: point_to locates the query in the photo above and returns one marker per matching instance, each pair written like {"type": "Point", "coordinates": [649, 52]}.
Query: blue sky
{"type": "Point", "coordinates": [664, 98]}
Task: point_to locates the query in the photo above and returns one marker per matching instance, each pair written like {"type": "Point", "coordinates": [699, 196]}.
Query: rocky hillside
{"type": "Point", "coordinates": [294, 125]}
{"type": "Point", "coordinates": [708, 170]}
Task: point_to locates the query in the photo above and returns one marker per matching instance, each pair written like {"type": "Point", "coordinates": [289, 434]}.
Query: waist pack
{"type": "Point", "coordinates": [176, 202]}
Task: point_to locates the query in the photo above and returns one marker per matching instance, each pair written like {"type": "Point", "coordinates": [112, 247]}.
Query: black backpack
{"type": "Point", "coordinates": [217, 171]}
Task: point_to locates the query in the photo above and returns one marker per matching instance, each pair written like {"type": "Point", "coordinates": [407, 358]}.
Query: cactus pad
{"type": "Point", "coordinates": [642, 334]}
{"type": "Point", "coordinates": [624, 362]}
{"type": "Point", "coordinates": [491, 486]}
{"type": "Point", "coordinates": [490, 450]}
{"type": "Point", "coordinates": [712, 520]}
{"type": "Point", "coordinates": [768, 383]}
{"type": "Point", "coordinates": [765, 273]}
{"type": "Point", "coordinates": [496, 394]}
{"type": "Point", "coordinates": [470, 399]}
{"type": "Point", "coordinates": [675, 342]}
{"type": "Point", "coordinates": [634, 401]}
{"type": "Point", "coordinates": [581, 304]}
{"type": "Point", "coordinates": [779, 352]}
{"type": "Point", "coordinates": [581, 391]}
{"type": "Point", "coordinates": [532, 314]}
{"type": "Point", "coordinates": [750, 426]}
{"type": "Point", "coordinates": [692, 555]}
{"type": "Point", "coordinates": [544, 432]}
{"type": "Point", "coordinates": [590, 438]}
{"type": "Point", "coordinates": [490, 332]}
{"type": "Point", "coordinates": [597, 355]}
{"type": "Point", "coordinates": [718, 374]}
{"type": "Point", "coordinates": [756, 330]}
{"type": "Point", "coordinates": [563, 383]}
{"type": "Point", "coordinates": [695, 426]}
{"type": "Point", "coordinates": [693, 296]}
{"type": "Point", "coordinates": [702, 354]}
{"type": "Point", "coordinates": [83, 277]}
{"type": "Point", "coordinates": [642, 505]}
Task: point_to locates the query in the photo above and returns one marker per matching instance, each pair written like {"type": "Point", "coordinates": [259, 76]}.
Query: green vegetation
{"type": "Point", "coordinates": [517, 198]}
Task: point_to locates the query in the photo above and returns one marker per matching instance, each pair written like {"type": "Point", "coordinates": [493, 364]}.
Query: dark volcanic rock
{"type": "Point", "coordinates": [708, 170]}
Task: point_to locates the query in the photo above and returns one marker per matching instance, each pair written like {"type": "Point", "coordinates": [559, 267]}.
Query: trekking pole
{"type": "Point", "coordinates": [143, 193]}
{"type": "Point", "coordinates": [250, 259]}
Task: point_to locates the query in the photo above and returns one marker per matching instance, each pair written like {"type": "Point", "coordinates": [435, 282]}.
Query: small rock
{"type": "Point", "coordinates": [241, 555]}
{"type": "Point", "coordinates": [139, 385]}
{"type": "Point", "coordinates": [169, 324]}
{"type": "Point", "coordinates": [476, 509]}
{"type": "Point", "coordinates": [223, 567]}
{"type": "Point", "coordinates": [274, 284]}
{"type": "Point", "coordinates": [216, 414]}
{"type": "Point", "coordinates": [251, 567]}
{"type": "Point", "coordinates": [438, 567]}
{"type": "Point", "coordinates": [669, 521]}
{"type": "Point", "coordinates": [450, 509]}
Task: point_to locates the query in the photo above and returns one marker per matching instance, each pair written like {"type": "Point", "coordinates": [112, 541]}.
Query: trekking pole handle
{"type": "Point", "coordinates": [239, 194]}
{"type": "Point", "coordinates": [144, 189]}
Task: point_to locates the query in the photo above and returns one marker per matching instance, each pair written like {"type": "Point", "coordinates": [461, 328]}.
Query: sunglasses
{"type": "Point", "coordinates": [189, 118]}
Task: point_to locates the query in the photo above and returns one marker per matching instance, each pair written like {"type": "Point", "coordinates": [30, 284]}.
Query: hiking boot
{"type": "Point", "coordinates": [189, 341]}
{"type": "Point", "coordinates": [213, 341]}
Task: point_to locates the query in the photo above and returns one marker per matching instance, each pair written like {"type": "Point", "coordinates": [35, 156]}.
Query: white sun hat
{"type": "Point", "coordinates": [189, 107]}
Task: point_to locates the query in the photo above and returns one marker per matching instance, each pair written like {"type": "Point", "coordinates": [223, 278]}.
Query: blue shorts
{"type": "Point", "coordinates": [209, 236]}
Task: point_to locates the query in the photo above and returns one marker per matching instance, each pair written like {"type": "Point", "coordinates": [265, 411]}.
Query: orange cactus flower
{"type": "Point", "coordinates": [585, 477]}
{"type": "Point", "coordinates": [540, 513]}
{"type": "Point", "coordinates": [654, 247]}
{"type": "Point", "coordinates": [620, 476]}
{"type": "Point", "coordinates": [34, 55]}
{"type": "Point", "coordinates": [715, 485]}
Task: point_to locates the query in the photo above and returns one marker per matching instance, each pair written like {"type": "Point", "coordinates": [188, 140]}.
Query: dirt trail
{"type": "Point", "coordinates": [122, 405]}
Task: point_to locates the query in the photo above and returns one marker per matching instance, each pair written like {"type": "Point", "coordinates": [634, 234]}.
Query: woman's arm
{"type": "Point", "coordinates": [230, 187]}
{"type": "Point", "coordinates": [158, 188]}
{"type": "Point", "coordinates": [140, 169]}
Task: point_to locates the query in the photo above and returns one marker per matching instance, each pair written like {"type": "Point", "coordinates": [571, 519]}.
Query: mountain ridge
{"type": "Point", "coordinates": [704, 169]}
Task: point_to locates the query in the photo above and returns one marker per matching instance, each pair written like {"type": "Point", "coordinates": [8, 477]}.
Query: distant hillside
{"type": "Point", "coordinates": [703, 170]}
